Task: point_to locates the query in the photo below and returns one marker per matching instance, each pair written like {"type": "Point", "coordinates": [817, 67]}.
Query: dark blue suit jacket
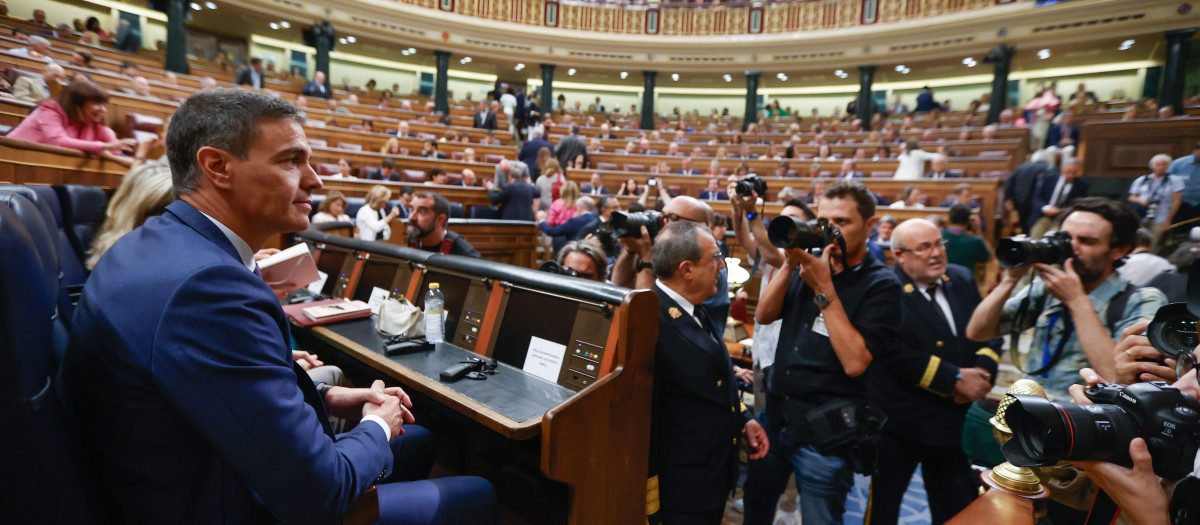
{"type": "Point", "coordinates": [575, 228]}
{"type": "Point", "coordinates": [706, 195]}
{"type": "Point", "coordinates": [696, 415]}
{"type": "Point", "coordinates": [315, 89]}
{"type": "Point", "coordinates": [182, 386]}
{"type": "Point", "coordinates": [1045, 192]}
{"type": "Point", "coordinates": [914, 383]}
{"type": "Point", "coordinates": [1056, 134]}
{"type": "Point", "coordinates": [515, 200]}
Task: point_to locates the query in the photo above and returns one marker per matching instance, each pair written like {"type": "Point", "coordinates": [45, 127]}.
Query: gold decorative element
{"type": "Point", "coordinates": [674, 312]}
{"type": "Point", "coordinates": [989, 353]}
{"type": "Point", "coordinates": [930, 371]}
{"type": "Point", "coordinates": [908, 288]}
{"type": "Point", "coordinates": [1019, 481]}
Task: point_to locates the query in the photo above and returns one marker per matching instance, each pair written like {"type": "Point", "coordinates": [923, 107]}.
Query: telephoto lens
{"type": "Point", "coordinates": [790, 232]}
{"type": "Point", "coordinates": [1054, 248]}
{"type": "Point", "coordinates": [1045, 432]}
{"type": "Point", "coordinates": [626, 225]}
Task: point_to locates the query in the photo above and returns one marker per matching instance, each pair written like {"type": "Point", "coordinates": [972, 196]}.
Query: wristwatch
{"type": "Point", "coordinates": [643, 265]}
{"type": "Point", "coordinates": [751, 215]}
{"type": "Point", "coordinates": [823, 300]}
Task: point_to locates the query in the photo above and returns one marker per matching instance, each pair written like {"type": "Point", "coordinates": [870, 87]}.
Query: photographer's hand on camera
{"type": "Point", "coordinates": [1137, 360]}
{"type": "Point", "coordinates": [973, 384]}
{"type": "Point", "coordinates": [817, 273]}
{"type": "Point", "coordinates": [635, 250]}
{"type": "Point", "coordinates": [1136, 490]}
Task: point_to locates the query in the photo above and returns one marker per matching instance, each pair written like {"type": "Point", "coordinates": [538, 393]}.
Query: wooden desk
{"type": "Point", "coordinates": [594, 440]}
{"type": "Point", "coordinates": [29, 163]}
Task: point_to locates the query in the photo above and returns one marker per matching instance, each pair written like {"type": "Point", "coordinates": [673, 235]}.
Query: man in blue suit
{"type": "Point", "coordinates": [713, 191]}
{"type": "Point", "coordinates": [179, 377]}
{"type": "Point", "coordinates": [1063, 134]}
{"type": "Point", "coordinates": [1054, 194]}
{"type": "Point", "coordinates": [316, 87]}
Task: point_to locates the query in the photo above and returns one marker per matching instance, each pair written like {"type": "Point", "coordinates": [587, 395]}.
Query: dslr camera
{"type": "Point", "coordinates": [751, 183]}
{"type": "Point", "coordinates": [1045, 433]}
{"type": "Point", "coordinates": [1054, 248]}
{"type": "Point", "coordinates": [553, 267]}
{"type": "Point", "coordinates": [790, 232]}
{"type": "Point", "coordinates": [629, 225]}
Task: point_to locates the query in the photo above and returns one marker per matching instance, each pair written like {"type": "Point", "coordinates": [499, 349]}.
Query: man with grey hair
{"type": "Point", "coordinates": [933, 356]}
{"type": "Point", "coordinates": [179, 375]}
{"type": "Point", "coordinates": [38, 48]}
{"type": "Point", "coordinates": [1055, 194]}
{"type": "Point", "coordinates": [937, 168]}
{"type": "Point", "coordinates": [37, 89]}
{"type": "Point", "coordinates": [208, 83]}
{"type": "Point", "coordinates": [128, 38]}
{"type": "Point", "coordinates": [694, 427]}
{"type": "Point", "coordinates": [508, 170]}
{"type": "Point", "coordinates": [1159, 194]}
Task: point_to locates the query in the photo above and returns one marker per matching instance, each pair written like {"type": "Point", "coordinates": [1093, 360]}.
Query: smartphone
{"type": "Point", "coordinates": [651, 182]}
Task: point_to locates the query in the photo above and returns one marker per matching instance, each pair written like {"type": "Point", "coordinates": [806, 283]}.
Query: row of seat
{"type": "Point", "coordinates": [44, 232]}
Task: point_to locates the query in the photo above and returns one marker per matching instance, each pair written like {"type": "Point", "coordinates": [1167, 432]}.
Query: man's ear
{"type": "Point", "coordinates": [1118, 253]}
{"type": "Point", "coordinates": [870, 224]}
{"type": "Point", "coordinates": [441, 220]}
{"type": "Point", "coordinates": [214, 166]}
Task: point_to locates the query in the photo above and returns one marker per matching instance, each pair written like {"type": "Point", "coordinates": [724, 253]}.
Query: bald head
{"type": "Point", "coordinates": [54, 73]}
{"type": "Point", "coordinates": [689, 208]}
{"type": "Point", "coordinates": [909, 229]}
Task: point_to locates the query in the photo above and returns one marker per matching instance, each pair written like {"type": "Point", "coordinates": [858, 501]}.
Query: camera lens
{"type": "Point", "coordinates": [1173, 330]}
{"type": "Point", "coordinates": [791, 232]}
{"type": "Point", "coordinates": [1045, 432]}
{"type": "Point", "coordinates": [1054, 248]}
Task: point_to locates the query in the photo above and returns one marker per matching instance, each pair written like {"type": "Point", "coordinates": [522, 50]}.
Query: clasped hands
{"type": "Point", "coordinates": [389, 403]}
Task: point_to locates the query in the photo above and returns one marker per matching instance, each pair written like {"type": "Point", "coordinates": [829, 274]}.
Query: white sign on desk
{"type": "Point", "coordinates": [376, 300]}
{"type": "Point", "coordinates": [544, 359]}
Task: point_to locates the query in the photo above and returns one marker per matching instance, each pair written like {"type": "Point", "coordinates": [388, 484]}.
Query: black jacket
{"type": "Point", "coordinates": [316, 89]}
{"type": "Point", "coordinates": [515, 200]}
{"type": "Point", "coordinates": [485, 120]}
{"type": "Point", "coordinates": [1045, 193]}
{"type": "Point", "coordinates": [696, 416]}
{"type": "Point", "coordinates": [914, 383]}
{"type": "Point", "coordinates": [1022, 184]}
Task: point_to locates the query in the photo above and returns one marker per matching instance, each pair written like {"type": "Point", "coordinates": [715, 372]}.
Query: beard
{"type": "Point", "coordinates": [416, 233]}
{"type": "Point", "coordinates": [1088, 272]}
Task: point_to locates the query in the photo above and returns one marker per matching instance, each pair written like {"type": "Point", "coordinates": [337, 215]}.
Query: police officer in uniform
{"type": "Point", "coordinates": [929, 380]}
{"type": "Point", "coordinates": [697, 415]}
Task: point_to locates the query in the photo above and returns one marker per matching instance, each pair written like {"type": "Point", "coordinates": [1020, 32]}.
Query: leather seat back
{"type": "Point", "coordinates": [83, 214]}
{"type": "Point", "coordinates": [73, 272]}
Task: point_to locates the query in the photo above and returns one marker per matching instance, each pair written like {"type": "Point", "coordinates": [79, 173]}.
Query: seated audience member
{"type": "Point", "coordinates": [76, 120]}
{"type": "Point", "coordinates": [144, 192]}
{"type": "Point", "coordinates": [961, 195]}
{"type": "Point", "coordinates": [140, 86]}
{"type": "Point", "coordinates": [196, 326]}
{"type": "Point", "coordinates": [427, 227]}
{"type": "Point", "coordinates": [909, 198]}
{"type": "Point", "coordinates": [436, 176]}
{"type": "Point", "coordinates": [882, 236]}
{"type": "Point", "coordinates": [515, 197]}
{"type": "Point", "coordinates": [713, 191]}
{"type": "Point", "coordinates": [402, 130]}
{"type": "Point", "coordinates": [391, 147]}
{"type": "Point", "coordinates": [848, 170]}
{"type": "Point", "coordinates": [630, 188]}
{"type": "Point", "coordinates": [814, 170]}
{"type": "Point", "coordinates": [563, 207]}
{"type": "Point", "coordinates": [345, 170]}
{"type": "Point", "coordinates": [93, 25]}
{"type": "Point", "coordinates": [332, 209]}
{"type": "Point", "coordinates": [316, 87]}
{"type": "Point", "coordinates": [662, 168]}
{"type": "Point", "coordinates": [962, 246]}
{"type": "Point", "coordinates": [39, 18]}
{"type": "Point", "coordinates": [937, 168]}
{"type": "Point", "coordinates": [1143, 266]}
{"type": "Point", "coordinates": [386, 171]}
{"type": "Point", "coordinates": [818, 189]}
{"type": "Point", "coordinates": [469, 155]}
{"type": "Point", "coordinates": [1055, 194]}
{"type": "Point", "coordinates": [430, 150]}
{"type": "Point", "coordinates": [576, 227]}
{"type": "Point", "coordinates": [373, 222]}
{"type": "Point", "coordinates": [595, 187]}
{"type": "Point", "coordinates": [586, 257]}
{"type": "Point", "coordinates": [37, 48]}
{"type": "Point", "coordinates": [208, 83]}
{"type": "Point", "coordinates": [131, 69]}
{"type": "Point", "coordinates": [468, 179]}
{"type": "Point", "coordinates": [37, 89]}
{"type": "Point", "coordinates": [81, 59]}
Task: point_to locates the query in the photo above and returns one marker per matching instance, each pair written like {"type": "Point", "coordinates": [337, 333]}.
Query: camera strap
{"type": "Point", "coordinates": [1103, 511]}
{"type": "Point", "coordinates": [1048, 359]}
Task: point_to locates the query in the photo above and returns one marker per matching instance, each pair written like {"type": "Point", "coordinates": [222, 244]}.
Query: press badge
{"type": "Point", "coordinates": [819, 326]}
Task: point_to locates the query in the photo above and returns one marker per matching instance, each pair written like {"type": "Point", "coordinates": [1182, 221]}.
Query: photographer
{"type": "Point", "coordinates": [1069, 306]}
{"type": "Point", "coordinates": [752, 236]}
{"type": "Point", "coordinates": [841, 310]}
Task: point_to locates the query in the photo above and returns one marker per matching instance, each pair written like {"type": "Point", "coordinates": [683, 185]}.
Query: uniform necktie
{"type": "Point", "coordinates": [932, 293]}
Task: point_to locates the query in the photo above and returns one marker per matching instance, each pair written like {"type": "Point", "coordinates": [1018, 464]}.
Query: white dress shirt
{"type": "Point", "coordinates": [684, 305]}
{"type": "Point", "coordinates": [942, 303]}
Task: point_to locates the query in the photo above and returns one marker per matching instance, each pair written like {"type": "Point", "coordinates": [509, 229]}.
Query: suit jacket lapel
{"type": "Point", "coordinates": [923, 306]}
{"type": "Point", "coordinates": [689, 328]}
{"type": "Point", "coordinates": [192, 217]}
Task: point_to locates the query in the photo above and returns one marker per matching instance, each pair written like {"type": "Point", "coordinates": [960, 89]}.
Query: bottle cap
{"type": "Point", "coordinates": [433, 286]}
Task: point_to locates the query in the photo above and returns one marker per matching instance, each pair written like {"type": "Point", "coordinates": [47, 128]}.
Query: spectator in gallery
{"type": "Point", "coordinates": [372, 220]}
{"type": "Point", "coordinates": [76, 120]}
{"type": "Point", "coordinates": [332, 209]}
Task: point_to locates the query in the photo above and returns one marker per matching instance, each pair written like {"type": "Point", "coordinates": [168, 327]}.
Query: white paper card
{"type": "Point", "coordinates": [377, 296]}
{"type": "Point", "coordinates": [319, 284]}
{"type": "Point", "coordinates": [544, 359]}
{"type": "Point", "coordinates": [819, 326]}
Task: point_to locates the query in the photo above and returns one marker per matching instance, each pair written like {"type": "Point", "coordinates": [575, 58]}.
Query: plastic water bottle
{"type": "Point", "coordinates": [435, 314]}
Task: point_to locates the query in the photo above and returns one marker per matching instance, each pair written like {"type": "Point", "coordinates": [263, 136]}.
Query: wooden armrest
{"type": "Point", "coordinates": [364, 510]}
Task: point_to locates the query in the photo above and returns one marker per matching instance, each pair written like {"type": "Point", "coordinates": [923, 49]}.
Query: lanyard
{"type": "Point", "coordinates": [1049, 360]}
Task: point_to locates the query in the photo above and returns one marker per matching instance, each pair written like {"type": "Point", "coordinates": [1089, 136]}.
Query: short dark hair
{"type": "Point", "coordinates": [434, 172]}
{"type": "Point", "coordinates": [960, 214]}
{"type": "Point", "coordinates": [407, 190]}
{"type": "Point", "coordinates": [1123, 220]}
{"type": "Point", "coordinates": [808, 213]}
{"type": "Point", "coordinates": [223, 118]}
{"type": "Point", "coordinates": [255, 61]}
{"type": "Point", "coordinates": [852, 189]}
{"type": "Point", "coordinates": [432, 142]}
{"type": "Point", "coordinates": [126, 63]}
{"type": "Point", "coordinates": [1143, 238]}
{"type": "Point", "coordinates": [87, 57]}
{"type": "Point", "coordinates": [77, 94]}
{"type": "Point", "coordinates": [441, 206]}
{"type": "Point", "coordinates": [389, 163]}
{"type": "Point", "coordinates": [677, 242]}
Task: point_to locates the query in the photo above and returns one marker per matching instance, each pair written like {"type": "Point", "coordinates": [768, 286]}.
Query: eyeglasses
{"type": "Point", "coordinates": [675, 217]}
{"type": "Point", "coordinates": [925, 247]}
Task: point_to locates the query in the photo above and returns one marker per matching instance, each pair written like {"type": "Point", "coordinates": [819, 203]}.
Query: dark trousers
{"type": "Point", "coordinates": [950, 483]}
{"type": "Point", "coordinates": [409, 499]}
{"type": "Point", "coordinates": [712, 517]}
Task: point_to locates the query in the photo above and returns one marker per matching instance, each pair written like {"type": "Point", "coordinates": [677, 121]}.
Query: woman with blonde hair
{"type": "Point", "coordinates": [550, 184]}
{"type": "Point", "coordinates": [469, 155]}
{"type": "Point", "coordinates": [144, 192]}
{"type": "Point", "coordinates": [563, 208]}
{"type": "Point", "coordinates": [373, 223]}
{"type": "Point", "coordinates": [332, 209]}
{"type": "Point", "coordinates": [391, 148]}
